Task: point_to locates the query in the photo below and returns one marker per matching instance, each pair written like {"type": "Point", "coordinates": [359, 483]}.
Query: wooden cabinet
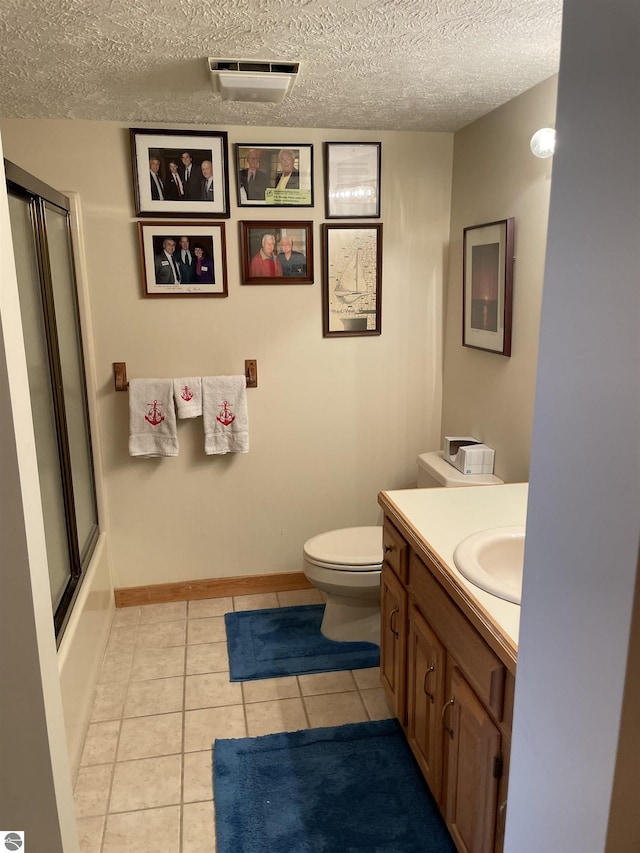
{"type": "Point", "coordinates": [393, 621]}
{"type": "Point", "coordinates": [472, 768]}
{"type": "Point", "coordinates": [452, 693]}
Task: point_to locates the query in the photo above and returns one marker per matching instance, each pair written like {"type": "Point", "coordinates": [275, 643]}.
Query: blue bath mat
{"type": "Point", "coordinates": [287, 641]}
{"type": "Point", "coordinates": [343, 789]}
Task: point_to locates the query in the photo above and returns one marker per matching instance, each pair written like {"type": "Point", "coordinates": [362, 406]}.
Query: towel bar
{"type": "Point", "coordinates": [121, 383]}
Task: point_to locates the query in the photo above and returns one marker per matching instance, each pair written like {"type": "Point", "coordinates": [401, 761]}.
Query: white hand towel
{"type": "Point", "coordinates": [187, 393]}
{"type": "Point", "coordinates": [152, 418]}
{"type": "Point", "coordinates": [224, 412]}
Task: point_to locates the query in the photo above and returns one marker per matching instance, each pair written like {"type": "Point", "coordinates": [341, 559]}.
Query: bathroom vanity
{"type": "Point", "coordinates": [448, 653]}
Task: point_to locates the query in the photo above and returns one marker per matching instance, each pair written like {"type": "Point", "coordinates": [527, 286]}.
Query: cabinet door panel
{"type": "Point", "coordinates": [472, 744]}
{"type": "Point", "coordinates": [393, 640]}
{"type": "Point", "coordinates": [425, 692]}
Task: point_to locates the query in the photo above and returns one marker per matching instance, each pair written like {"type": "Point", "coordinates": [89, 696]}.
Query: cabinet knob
{"type": "Point", "coordinates": [431, 669]}
{"type": "Point", "coordinates": [393, 613]}
{"type": "Point", "coordinates": [388, 549]}
{"type": "Point", "coordinates": [448, 704]}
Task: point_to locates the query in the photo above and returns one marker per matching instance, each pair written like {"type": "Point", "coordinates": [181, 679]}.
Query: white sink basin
{"type": "Point", "coordinates": [493, 560]}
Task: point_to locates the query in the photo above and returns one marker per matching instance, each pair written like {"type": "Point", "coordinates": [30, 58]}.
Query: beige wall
{"type": "Point", "coordinates": [333, 420]}
{"type": "Point", "coordinates": [495, 176]}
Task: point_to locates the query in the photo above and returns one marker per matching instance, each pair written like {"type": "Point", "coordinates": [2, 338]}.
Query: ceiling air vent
{"type": "Point", "coordinates": [253, 80]}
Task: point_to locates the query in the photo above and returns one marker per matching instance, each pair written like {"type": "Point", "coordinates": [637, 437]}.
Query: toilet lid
{"type": "Point", "coordinates": [355, 547]}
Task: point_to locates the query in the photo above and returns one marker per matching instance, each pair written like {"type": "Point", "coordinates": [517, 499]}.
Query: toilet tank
{"type": "Point", "coordinates": [435, 472]}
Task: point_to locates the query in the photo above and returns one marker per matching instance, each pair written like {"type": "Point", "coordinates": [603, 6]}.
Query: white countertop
{"type": "Point", "coordinates": [443, 517]}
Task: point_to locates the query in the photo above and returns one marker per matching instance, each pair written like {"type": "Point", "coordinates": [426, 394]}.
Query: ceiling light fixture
{"type": "Point", "coordinates": [543, 142]}
{"type": "Point", "coordinates": [252, 80]}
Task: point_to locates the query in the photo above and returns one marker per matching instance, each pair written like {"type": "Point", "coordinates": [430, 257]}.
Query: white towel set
{"type": "Point", "coordinates": [220, 400]}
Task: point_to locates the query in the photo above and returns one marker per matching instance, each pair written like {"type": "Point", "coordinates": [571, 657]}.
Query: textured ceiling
{"type": "Point", "coordinates": [370, 64]}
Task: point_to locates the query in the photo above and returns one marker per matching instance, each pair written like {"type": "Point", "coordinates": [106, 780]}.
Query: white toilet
{"type": "Point", "coordinates": [346, 564]}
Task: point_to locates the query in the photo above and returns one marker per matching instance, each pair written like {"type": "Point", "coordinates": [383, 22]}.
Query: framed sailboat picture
{"type": "Point", "coordinates": [351, 280]}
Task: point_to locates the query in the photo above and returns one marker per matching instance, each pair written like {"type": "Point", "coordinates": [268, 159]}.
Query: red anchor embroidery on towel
{"type": "Point", "coordinates": [154, 416]}
{"type": "Point", "coordinates": [225, 417]}
{"type": "Point", "coordinates": [186, 394]}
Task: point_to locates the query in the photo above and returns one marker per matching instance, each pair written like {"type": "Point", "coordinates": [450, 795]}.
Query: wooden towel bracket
{"type": "Point", "coordinates": [121, 382]}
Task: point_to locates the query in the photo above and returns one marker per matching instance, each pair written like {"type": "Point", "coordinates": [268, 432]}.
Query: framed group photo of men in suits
{"type": "Point", "coordinates": [274, 175]}
{"type": "Point", "coordinates": [180, 173]}
{"type": "Point", "coordinates": [183, 258]}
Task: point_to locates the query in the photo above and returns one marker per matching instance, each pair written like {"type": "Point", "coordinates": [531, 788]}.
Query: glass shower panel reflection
{"type": "Point", "coordinates": [42, 408]}
{"type": "Point", "coordinates": [70, 346]}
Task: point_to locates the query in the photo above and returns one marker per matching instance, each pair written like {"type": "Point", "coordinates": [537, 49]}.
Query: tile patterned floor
{"type": "Point", "coordinates": [164, 695]}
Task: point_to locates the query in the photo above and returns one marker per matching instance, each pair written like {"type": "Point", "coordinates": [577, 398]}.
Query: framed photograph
{"type": "Point", "coordinates": [352, 280]}
{"type": "Point", "coordinates": [352, 180]}
{"type": "Point", "coordinates": [274, 175]}
{"type": "Point", "coordinates": [276, 252]}
{"type": "Point", "coordinates": [180, 172]}
{"type": "Point", "coordinates": [183, 258]}
{"type": "Point", "coordinates": [487, 295]}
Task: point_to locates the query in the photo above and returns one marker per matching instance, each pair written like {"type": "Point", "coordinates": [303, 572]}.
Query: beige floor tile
{"type": "Point", "coordinates": [296, 597]}
{"type": "Point", "coordinates": [109, 701]}
{"type": "Point", "coordinates": [198, 828]}
{"type": "Point", "coordinates": [147, 831]}
{"type": "Point", "coordinates": [90, 833]}
{"type": "Point", "coordinates": [367, 678]}
{"type": "Point", "coordinates": [270, 688]}
{"type": "Point", "coordinates": [202, 727]}
{"type": "Point", "coordinates": [259, 601]}
{"type": "Point", "coordinates": [145, 784]}
{"type": "Point", "coordinates": [101, 743]}
{"type": "Point", "coordinates": [210, 607]}
{"type": "Point", "coordinates": [375, 701]}
{"type": "Point", "coordinates": [197, 777]}
{"type": "Point", "coordinates": [280, 715]}
{"type": "Point", "coordinates": [125, 616]}
{"type": "Point", "coordinates": [167, 612]}
{"type": "Point", "coordinates": [92, 790]}
{"type": "Point", "coordinates": [209, 630]}
{"type": "Point", "coordinates": [326, 682]}
{"type": "Point", "coordinates": [335, 709]}
{"type": "Point", "coordinates": [158, 696]}
{"type": "Point", "coordinates": [161, 635]}
{"type": "Point", "coordinates": [157, 663]}
{"type": "Point", "coordinates": [207, 657]}
{"type": "Point", "coordinates": [145, 737]}
{"type": "Point", "coordinates": [116, 666]}
{"type": "Point", "coordinates": [121, 638]}
{"type": "Point", "coordinates": [211, 690]}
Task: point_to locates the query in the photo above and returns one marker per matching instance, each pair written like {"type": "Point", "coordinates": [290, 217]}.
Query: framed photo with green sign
{"type": "Point", "coordinates": [274, 175]}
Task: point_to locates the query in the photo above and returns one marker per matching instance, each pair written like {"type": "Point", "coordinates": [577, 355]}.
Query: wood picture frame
{"type": "Point", "coordinates": [351, 280]}
{"type": "Point", "coordinates": [352, 180]}
{"type": "Point", "coordinates": [166, 273]}
{"type": "Point", "coordinates": [276, 252]}
{"type": "Point", "coordinates": [487, 292]}
{"type": "Point", "coordinates": [274, 175]}
{"type": "Point", "coordinates": [180, 172]}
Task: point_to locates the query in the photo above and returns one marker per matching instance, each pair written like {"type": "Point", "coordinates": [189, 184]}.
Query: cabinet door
{"type": "Point", "coordinates": [425, 698]}
{"type": "Point", "coordinates": [393, 640]}
{"type": "Point", "coordinates": [472, 768]}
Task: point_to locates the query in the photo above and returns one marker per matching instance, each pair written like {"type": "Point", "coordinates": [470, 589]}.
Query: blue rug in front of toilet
{"type": "Point", "coordinates": [354, 788]}
{"type": "Point", "coordinates": [287, 641]}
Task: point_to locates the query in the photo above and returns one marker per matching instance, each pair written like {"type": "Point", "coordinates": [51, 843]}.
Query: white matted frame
{"type": "Point", "coordinates": [352, 179]}
{"type": "Point", "coordinates": [208, 155]}
{"type": "Point", "coordinates": [161, 268]}
{"type": "Point", "coordinates": [487, 293]}
{"type": "Point", "coordinates": [351, 280]}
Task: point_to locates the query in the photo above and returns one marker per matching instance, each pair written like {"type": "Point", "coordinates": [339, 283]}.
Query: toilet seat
{"type": "Point", "coordinates": [352, 549]}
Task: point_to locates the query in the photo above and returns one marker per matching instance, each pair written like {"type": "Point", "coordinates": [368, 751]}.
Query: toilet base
{"type": "Point", "coordinates": [351, 620]}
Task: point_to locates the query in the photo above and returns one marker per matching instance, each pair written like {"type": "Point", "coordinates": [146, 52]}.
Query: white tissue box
{"type": "Point", "coordinates": [475, 459]}
{"type": "Point", "coordinates": [452, 445]}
